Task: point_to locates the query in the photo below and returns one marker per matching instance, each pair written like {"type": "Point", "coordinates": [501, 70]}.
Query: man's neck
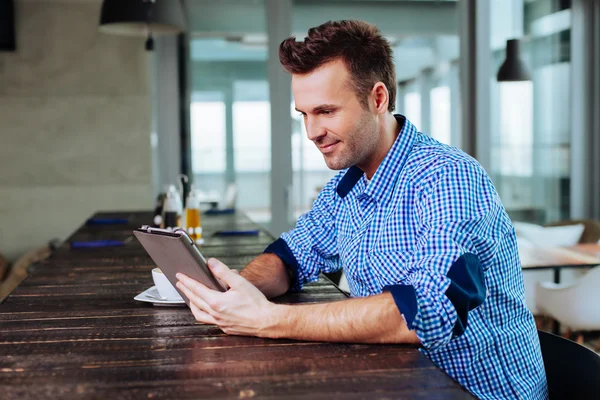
{"type": "Point", "coordinates": [388, 134]}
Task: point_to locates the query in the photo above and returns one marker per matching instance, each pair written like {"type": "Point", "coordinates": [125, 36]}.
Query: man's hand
{"type": "Point", "coordinates": [242, 310]}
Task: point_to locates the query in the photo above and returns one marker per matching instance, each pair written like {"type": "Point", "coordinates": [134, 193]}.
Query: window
{"type": "Point", "coordinates": [531, 121]}
{"type": "Point", "coordinates": [440, 114]}
{"type": "Point", "coordinates": [516, 129]}
{"type": "Point", "coordinates": [252, 136]}
{"type": "Point", "coordinates": [412, 105]}
{"type": "Point", "coordinates": [208, 136]}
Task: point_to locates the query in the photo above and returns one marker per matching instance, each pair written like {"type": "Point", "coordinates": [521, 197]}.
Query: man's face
{"type": "Point", "coordinates": [341, 128]}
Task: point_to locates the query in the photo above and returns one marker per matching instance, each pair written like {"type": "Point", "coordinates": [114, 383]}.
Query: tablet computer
{"type": "Point", "coordinates": [175, 251]}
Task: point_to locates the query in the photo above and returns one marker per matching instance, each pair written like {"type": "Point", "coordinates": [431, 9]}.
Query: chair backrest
{"type": "Point", "coordinates": [230, 197]}
{"type": "Point", "coordinates": [582, 307]}
{"type": "Point", "coordinates": [572, 370]}
{"type": "Point", "coordinates": [591, 278]}
{"type": "Point", "coordinates": [3, 267]}
{"type": "Point", "coordinates": [20, 268]}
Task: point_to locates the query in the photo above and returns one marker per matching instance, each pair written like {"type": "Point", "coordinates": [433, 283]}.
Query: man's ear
{"type": "Point", "coordinates": [380, 97]}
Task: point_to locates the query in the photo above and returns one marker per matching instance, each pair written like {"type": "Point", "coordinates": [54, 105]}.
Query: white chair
{"type": "Point", "coordinates": [230, 197]}
{"type": "Point", "coordinates": [537, 235]}
{"type": "Point", "coordinates": [575, 305]}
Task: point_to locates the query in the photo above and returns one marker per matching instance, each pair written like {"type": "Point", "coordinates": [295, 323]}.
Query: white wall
{"type": "Point", "coordinates": [74, 124]}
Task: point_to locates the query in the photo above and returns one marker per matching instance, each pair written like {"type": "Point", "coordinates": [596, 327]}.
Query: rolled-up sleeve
{"type": "Point", "coordinates": [446, 278]}
{"type": "Point", "coordinates": [311, 247]}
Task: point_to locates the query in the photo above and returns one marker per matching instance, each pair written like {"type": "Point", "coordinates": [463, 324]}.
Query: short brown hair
{"type": "Point", "coordinates": [366, 53]}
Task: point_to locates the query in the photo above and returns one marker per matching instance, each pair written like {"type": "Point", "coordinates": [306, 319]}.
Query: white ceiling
{"type": "Point", "coordinates": [210, 18]}
{"type": "Point", "coordinates": [422, 32]}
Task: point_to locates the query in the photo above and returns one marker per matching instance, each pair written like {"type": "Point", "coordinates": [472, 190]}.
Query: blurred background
{"type": "Point", "coordinates": [96, 121]}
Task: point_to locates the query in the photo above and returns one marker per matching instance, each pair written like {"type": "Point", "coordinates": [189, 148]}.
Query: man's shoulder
{"type": "Point", "coordinates": [430, 159]}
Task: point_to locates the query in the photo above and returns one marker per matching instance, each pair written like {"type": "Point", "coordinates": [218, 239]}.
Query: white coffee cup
{"type": "Point", "coordinates": [164, 287]}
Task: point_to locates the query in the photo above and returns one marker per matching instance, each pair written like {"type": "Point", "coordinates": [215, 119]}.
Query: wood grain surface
{"type": "Point", "coordinates": [73, 330]}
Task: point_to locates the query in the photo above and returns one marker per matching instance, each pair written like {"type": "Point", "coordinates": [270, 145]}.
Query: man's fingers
{"type": "Point", "coordinates": [203, 305]}
{"type": "Point", "coordinates": [226, 286]}
{"type": "Point", "coordinates": [194, 297]}
{"type": "Point", "coordinates": [231, 277]}
{"type": "Point", "coordinates": [196, 287]}
{"type": "Point", "coordinates": [202, 316]}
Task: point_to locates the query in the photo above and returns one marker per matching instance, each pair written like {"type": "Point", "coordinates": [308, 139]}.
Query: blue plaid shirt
{"type": "Point", "coordinates": [430, 228]}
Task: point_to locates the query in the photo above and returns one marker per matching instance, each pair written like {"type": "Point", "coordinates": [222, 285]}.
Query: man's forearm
{"type": "Point", "coordinates": [268, 273]}
{"type": "Point", "coordinates": [374, 319]}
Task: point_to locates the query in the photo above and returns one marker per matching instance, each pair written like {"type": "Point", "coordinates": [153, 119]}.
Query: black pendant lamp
{"type": "Point", "coordinates": [513, 69]}
{"type": "Point", "coordinates": [142, 17]}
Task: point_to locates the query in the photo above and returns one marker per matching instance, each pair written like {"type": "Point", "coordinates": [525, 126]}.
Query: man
{"type": "Point", "coordinates": [428, 250]}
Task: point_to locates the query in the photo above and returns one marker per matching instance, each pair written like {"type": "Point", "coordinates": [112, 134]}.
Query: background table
{"type": "Point", "coordinates": [72, 329]}
{"type": "Point", "coordinates": [557, 258]}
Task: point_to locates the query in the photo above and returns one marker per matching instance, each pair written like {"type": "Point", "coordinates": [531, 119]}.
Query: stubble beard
{"type": "Point", "coordinates": [358, 146]}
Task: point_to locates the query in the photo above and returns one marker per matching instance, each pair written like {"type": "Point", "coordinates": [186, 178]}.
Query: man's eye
{"type": "Point", "coordinates": [326, 112]}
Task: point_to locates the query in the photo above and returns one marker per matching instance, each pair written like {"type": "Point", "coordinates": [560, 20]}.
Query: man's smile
{"type": "Point", "coordinates": [328, 147]}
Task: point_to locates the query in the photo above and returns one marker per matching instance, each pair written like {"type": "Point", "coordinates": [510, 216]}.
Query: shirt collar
{"type": "Point", "coordinates": [380, 187]}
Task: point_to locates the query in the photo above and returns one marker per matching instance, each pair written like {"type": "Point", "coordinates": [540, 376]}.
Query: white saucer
{"type": "Point", "coordinates": [151, 295]}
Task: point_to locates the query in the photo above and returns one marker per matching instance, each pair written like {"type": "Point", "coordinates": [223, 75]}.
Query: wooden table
{"type": "Point", "coordinates": [72, 329]}
{"type": "Point", "coordinates": [557, 258]}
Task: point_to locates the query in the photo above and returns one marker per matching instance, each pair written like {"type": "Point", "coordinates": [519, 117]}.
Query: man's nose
{"type": "Point", "coordinates": [314, 130]}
